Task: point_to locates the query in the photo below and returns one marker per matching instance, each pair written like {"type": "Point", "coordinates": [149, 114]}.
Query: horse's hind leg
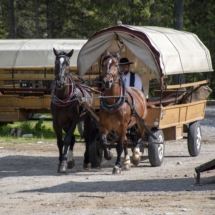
{"type": "Point", "coordinates": [107, 154]}
{"type": "Point", "coordinates": [88, 130]}
{"type": "Point", "coordinates": [138, 151]}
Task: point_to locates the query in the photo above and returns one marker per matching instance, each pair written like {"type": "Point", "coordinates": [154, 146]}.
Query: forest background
{"type": "Point", "coordinates": [80, 19]}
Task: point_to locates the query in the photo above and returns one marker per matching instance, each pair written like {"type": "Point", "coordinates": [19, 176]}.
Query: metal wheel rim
{"type": "Point", "coordinates": [198, 138]}
{"type": "Point", "coordinates": [160, 148]}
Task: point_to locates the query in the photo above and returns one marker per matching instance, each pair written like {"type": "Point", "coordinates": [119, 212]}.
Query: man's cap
{"type": "Point", "coordinates": [124, 61]}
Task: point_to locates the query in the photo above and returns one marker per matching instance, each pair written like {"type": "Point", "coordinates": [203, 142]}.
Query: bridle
{"type": "Point", "coordinates": [61, 76]}
{"type": "Point", "coordinates": [113, 77]}
{"type": "Point", "coordinates": [121, 97]}
{"type": "Point", "coordinates": [72, 95]}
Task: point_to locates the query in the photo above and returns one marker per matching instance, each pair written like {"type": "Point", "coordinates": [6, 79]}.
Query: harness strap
{"type": "Point", "coordinates": [133, 112]}
{"type": "Point", "coordinates": [132, 104]}
{"type": "Point", "coordinates": [132, 79]}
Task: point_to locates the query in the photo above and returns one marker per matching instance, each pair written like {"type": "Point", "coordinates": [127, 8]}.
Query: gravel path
{"type": "Point", "coordinates": [30, 184]}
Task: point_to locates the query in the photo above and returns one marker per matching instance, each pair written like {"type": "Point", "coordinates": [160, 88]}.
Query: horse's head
{"type": "Point", "coordinates": [62, 64]}
{"type": "Point", "coordinates": [110, 70]}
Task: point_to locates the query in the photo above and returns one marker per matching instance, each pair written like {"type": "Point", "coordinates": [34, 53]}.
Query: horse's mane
{"type": "Point", "coordinates": [62, 53]}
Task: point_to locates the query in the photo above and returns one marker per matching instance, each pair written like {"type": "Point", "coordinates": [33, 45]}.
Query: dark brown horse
{"type": "Point", "coordinates": [117, 112]}
{"type": "Point", "coordinates": [67, 112]}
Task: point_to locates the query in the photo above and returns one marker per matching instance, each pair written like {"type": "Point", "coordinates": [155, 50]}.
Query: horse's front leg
{"type": "Point", "coordinates": [69, 140]}
{"type": "Point", "coordinates": [127, 161]}
{"type": "Point", "coordinates": [119, 148]}
{"type": "Point", "coordinates": [118, 165]}
{"type": "Point", "coordinates": [58, 132]}
{"type": "Point", "coordinates": [70, 156]}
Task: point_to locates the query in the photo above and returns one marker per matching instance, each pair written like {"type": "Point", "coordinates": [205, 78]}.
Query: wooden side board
{"type": "Point", "coordinates": [27, 102]}
{"type": "Point", "coordinates": [35, 76]}
{"type": "Point", "coordinates": [15, 108]}
{"type": "Point", "coordinates": [12, 115]}
{"type": "Point", "coordinates": [169, 116]}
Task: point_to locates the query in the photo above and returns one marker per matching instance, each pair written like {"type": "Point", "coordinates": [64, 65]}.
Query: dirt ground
{"type": "Point", "coordinates": [30, 184]}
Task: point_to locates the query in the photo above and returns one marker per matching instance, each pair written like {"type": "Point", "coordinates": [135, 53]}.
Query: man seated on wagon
{"type": "Point", "coordinates": [130, 79]}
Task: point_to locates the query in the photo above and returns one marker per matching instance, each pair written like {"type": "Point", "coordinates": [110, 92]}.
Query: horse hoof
{"type": "Point", "coordinates": [136, 160]}
{"type": "Point", "coordinates": [62, 168]}
{"type": "Point", "coordinates": [70, 164]}
{"type": "Point", "coordinates": [87, 166]}
{"type": "Point", "coordinates": [116, 170]}
{"type": "Point", "coordinates": [108, 156]}
{"type": "Point", "coordinates": [126, 167]}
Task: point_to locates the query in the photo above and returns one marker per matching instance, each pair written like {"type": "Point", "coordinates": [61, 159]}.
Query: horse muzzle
{"type": "Point", "coordinates": [107, 84]}
{"type": "Point", "coordinates": [59, 83]}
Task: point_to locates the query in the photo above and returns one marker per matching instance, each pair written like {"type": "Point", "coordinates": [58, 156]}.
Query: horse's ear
{"type": "Point", "coordinates": [70, 53]}
{"type": "Point", "coordinates": [55, 51]}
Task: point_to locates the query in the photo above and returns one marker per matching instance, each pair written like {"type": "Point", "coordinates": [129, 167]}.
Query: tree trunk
{"type": "Point", "coordinates": [11, 19]}
{"type": "Point", "coordinates": [49, 4]}
{"type": "Point", "coordinates": [36, 18]}
{"type": "Point", "coordinates": [178, 25]}
{"type": "Point", "coordinates": [178, 14]}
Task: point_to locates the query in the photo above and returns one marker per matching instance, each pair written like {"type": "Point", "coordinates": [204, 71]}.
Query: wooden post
{"type": "Point", "coordinates": [1, 81]}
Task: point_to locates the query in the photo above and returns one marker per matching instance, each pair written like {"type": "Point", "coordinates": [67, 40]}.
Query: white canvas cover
{"type": "Point", "coordinates": [36, 53]}
{"type": "Point", "coordinates": [163, 50]}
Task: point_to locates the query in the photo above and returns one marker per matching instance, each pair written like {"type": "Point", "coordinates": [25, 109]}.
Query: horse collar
{"type": "Point", "coordinates": [115, 107]}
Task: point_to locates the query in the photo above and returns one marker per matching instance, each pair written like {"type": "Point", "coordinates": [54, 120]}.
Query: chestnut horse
{"type": "Point", "coordinates": [67, 112]}
{"type": "Point", "coordinates": [118, 108]}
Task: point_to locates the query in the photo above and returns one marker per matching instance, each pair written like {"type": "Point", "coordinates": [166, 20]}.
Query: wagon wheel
{"type": "Point", "coordinates": [194, 138]}
{"type": "Point", "coordinates": [95, 152]}
{"type": "Point", "coordinates": [156, 151]}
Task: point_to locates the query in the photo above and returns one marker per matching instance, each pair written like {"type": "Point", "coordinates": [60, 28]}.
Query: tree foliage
{"type": "Point", "coordinates": [82, 18]}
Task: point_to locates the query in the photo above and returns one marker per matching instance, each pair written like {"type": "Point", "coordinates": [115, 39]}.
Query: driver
{"type": "Point", "coordinates": [130, 79]}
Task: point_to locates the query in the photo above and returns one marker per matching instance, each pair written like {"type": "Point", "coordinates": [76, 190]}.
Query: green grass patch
{"type": "Point", "coordinates": [40, 129]}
